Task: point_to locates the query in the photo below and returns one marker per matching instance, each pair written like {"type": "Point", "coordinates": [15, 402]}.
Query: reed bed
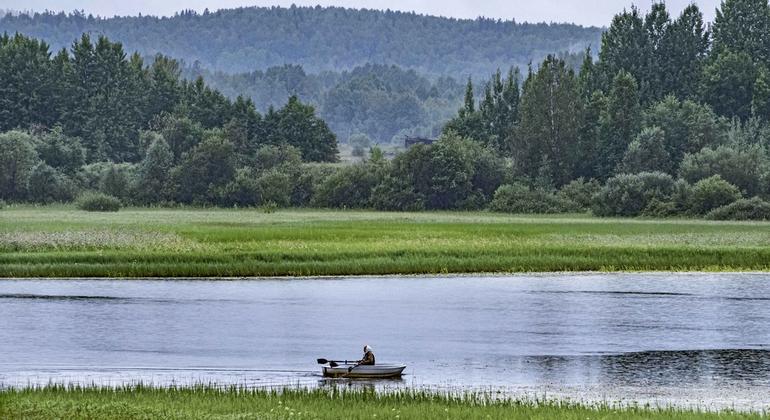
{"type": "Point", "coordinates": [64, 242]}
{"type": "Point", "coordinates": [141, 402]}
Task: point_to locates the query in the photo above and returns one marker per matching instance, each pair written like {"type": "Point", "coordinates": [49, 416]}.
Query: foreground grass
{"type": "Point", "coordinates": [210, 403]}
{"type": "Point", "coordinates": [64, 242]}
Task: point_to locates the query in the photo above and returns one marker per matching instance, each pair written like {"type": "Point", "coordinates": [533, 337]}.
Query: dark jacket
{"type": "Point", "coordinates": [368, 359]}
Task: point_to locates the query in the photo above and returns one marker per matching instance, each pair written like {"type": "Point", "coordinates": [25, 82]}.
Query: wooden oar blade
{"type": "Point", "coordinates": [322, 361]}
{"type": "Point", "coordinates": [333, 364]}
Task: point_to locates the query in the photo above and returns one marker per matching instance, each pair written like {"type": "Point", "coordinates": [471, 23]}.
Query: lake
{"type": "Point", "coordinates": [682, 339]}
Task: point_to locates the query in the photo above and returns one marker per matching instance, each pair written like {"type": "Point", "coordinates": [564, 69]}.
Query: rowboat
{"type": "Point", "coordinates": [363, 371]}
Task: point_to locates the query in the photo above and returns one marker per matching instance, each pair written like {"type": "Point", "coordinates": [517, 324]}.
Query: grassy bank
{"type": "Point", "coordinates": [64, 242]}
{"type": "Point", "coordinates": [207, 403]}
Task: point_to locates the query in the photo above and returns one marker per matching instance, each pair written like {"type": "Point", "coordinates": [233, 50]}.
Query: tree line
{"type": "Point", "coordinates": [93, 111]}
{"type": "Point", "coordinates": [382, 102]}
{"type": "Point", "coordinates": [641, 131]}
{"type": "Point", "coordinates": [320, 38]}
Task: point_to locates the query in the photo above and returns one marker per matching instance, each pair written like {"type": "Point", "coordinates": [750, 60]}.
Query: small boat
{"type": "Point", "coordinates": [363, 371]}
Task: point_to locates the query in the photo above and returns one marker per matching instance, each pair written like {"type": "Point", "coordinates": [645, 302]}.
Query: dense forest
{"type": "Point", "coordinates": [671, 119]}
{"type": "Point", "coordinates": [320, 38]}
{"type": "Point", "coordinates": [382, 102]}
{"type": "Point", "coordinates": [93, 116]}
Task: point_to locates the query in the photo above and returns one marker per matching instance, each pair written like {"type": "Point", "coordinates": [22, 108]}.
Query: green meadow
{"type": "Point", "coordinates": [65, 242]}
{"type": "Point", "coordinates": [210, 403]}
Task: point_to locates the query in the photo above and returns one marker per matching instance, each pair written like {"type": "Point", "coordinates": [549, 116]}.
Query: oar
{"type": "Point", "coordinates": [332, 363]}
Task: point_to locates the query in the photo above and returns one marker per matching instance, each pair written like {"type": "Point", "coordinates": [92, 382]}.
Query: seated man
{"type": "Point", "coordinates": [368, 359]}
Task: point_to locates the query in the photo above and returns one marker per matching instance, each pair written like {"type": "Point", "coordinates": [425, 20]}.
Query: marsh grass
{"type": "Point", "coordinates": [141, 402]}
{"type": "Point", "coordinates": [64, 242]}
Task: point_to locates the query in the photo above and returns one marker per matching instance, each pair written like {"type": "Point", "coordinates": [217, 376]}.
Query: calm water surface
{"type": "Point", "coordinates": [684, 339]}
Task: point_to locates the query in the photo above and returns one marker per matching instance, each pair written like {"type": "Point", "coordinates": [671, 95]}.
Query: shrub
{"type": "Point", "coordinates": [275, 187]}
{"type": "Point", "coordinates": [349, 187]}
{"type": "Point", "coordinates": [98, 202]}
{"type": "Point", "coordinates": [242, 191]}
{"type": "Point", "coordinates": [630, 194]}
{"type": "Point", "coordinates": [743, 209]}
{"type": "Point", "coordinates": [580, 192]}
{"type": "Point", "coordinates": [395, 194]}
{"type": "Point", "coordinates": [2, 204]}
{"type": "Point", "coordinates": [47, 185]}
{"type": "Point", "coordinates": [744, 167]}
{"type": "Point", "coordinates": [646, 153]}
{"type": "Point", "coordinates": [518, 198]}
{"type": "Point", "coordinates": [711, 193]}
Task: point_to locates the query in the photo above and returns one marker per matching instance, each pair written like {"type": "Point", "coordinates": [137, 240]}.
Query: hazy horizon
{"type": "Point", "coordinates": [599, 14]}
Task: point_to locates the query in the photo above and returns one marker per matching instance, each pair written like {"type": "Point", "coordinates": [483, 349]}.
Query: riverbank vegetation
{"type": "Point", "coordinates": [323, 403]}
{"type": "Point", "coordinates": [67, 242]}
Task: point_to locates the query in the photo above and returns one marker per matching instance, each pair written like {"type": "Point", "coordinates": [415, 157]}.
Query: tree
{"type": "Point", "coordinates": [47, 185]}
{"type": "Point", "coordinates": [619, 123]}
{"type": "Point", "coordinates": [727, 84]}
{"type": "Point", "coordinates": [61, 151]}
{"type": "Point", "coordinates": [625, 48]}
{"type": "Point", "coordinates": [297, 125]}
{"type": "Point", "coordinates": [153, 173]}
{"type": "Point", "coordinates": [684, 51]}
{"type": "Point", "coordinates": [16, 164]}
{"type": "Point", "coordinates": [205, 170]}
{"type": "Point", "coordinates": [711, 193]}
{"type": "Point", "coordinates": [743, 27]}
{"type": "Point", "coordinates": [550, 116]}
{"type": "Point", "coordinates": [647, 153]}
{"type": "Point", "coordinates": [760, 102]}
{"type": "Point", "coordinates": [688, 127]}
{"type": "Point", "coordinates": [745, 167]}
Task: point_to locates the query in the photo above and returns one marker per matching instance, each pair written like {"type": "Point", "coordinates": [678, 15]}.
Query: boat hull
{"type": "Point", "coordinates": [369, 372]}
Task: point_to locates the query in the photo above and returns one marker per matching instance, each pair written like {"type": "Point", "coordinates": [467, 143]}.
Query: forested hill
{"type": "Point", "coordinates": [331, 38]}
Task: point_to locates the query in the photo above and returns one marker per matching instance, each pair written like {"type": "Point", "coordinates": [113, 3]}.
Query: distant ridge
{"type": "Point", "coordinates": [319, 38]}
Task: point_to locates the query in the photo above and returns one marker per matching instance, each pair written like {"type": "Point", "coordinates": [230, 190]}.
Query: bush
{"type": "Point", "coordinates": [349, 187]}
{"type": "Point", "coordinates": [580, 192]}
{"type": "Point", "coordinates": [395, 194]}
{"type": "Point", "coordinates": [275, 187]}
{"type": "Point", "coordinates": [2, 204]}
{"type": "Point", "coordinates": [98, 202]}
{"type": "Point", "coordinates": [629, 194]}
{"type": "Point", "coordinates": [518, 198]}
{"type": "Point", "coordinates": [243, 191]}
{"type": "Point", "coordinates": [711, 193]}
{"type": "Point", "coordinates": [744, 167]}
{"type": "Point", "coordinates": [48, 185]}
{"type": "Point", "coordinates": [743, 209]}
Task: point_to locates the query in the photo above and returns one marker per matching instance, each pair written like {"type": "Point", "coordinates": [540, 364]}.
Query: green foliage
{"type": "Point", "coordinates": [348, 187]}
{"type": "Point", "coordinates": [727, 84]}
{"type": "Point", "coordinates": [60, 151]}
{"type": "Point", "coordinates": [647, 153]}
{"type": "Point", "coordinates": [272, 157]}
{"type": "Point", "coordinates": [631, 194]}
{"type": "Point", "coordinates": [47, 185]}
{"type": "Point", "coordinates": [93, 201]}
{"type": "Point", "coordinates": [452, 173]}
{"type": "Point", "coordinates": [737, 26]}
{"type": "Point", "coordinates": [324, 39]}
{"type": "Point", "coordinates": [711, 193]}
{"type": "Point", "coordinates": [153, 173]}
{"type": "Point", "coordinates": [396, 194]}
{"type": "Point", "coordinates": [580, 192]}
{"type": "Point", "coordinates": [745, 167]}
{"type": "Point", "coordinates": [205, 169]}
{"type": "Point", "coordinates": [619, 123]}
{"type": "Point", "coordinates": [743, 209]}
{"type": "Point", "coordinates": [17, 160]}
{"type": "Point", "coordinates": [117, 180]}
{"type": "Point", "coordinates": [296, 124]}
{"type": "Point", "coordinates": [275, 187]}
{"type": "Point", "coordinates": [548, 133]}
{"type": "Point", "coordinates": [687, 127]}
{"type": "Point", "coordinates": [520, 199]}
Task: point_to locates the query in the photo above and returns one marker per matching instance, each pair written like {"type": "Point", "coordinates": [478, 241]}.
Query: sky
{"type": "Point", "coordinates": [584, 12]}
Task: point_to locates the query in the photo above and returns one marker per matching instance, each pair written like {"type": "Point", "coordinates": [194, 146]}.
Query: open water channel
{"type": "Point", "coordinates": [682, 339]}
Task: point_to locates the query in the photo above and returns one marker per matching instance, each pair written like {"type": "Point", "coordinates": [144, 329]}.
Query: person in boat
{"type": "Point", "coordinates": [368, 359]}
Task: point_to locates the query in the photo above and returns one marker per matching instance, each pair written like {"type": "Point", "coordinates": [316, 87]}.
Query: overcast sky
{"type": "Point", "coordinates": [585, 12]}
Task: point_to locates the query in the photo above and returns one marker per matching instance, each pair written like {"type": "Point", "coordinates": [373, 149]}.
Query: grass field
{"type": "Point", "coordinates": [208, 403]}
{"type": "Point", "coordinates": [64, 242]}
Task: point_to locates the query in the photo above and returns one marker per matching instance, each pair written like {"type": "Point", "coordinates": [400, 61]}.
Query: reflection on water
{"type": "Point", "coordinates": [660, 338]}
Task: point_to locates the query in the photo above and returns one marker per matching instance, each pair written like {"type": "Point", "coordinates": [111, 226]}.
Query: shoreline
{"type": "Point", "coordinates": [437, 276]}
